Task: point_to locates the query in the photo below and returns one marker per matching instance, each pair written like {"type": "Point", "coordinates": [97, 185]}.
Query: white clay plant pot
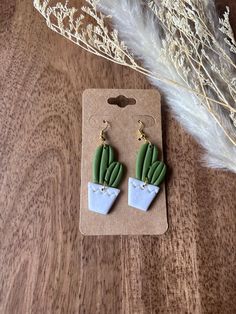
{"type": "Point", "coordinates": [141, 195]}
{"type": "Point", "coordinates": [100, 198]}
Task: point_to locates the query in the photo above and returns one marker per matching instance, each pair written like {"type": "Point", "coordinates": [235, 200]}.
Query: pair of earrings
{"type": "Point", "coordinates": [108, 173]}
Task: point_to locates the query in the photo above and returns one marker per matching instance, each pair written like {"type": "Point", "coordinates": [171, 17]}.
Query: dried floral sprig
{"type": "Point", "coordinates": [191, 43]}
{"type": "Point", "coordinates": [94, 38]}
{"type": "Point", "coordinates": [187, 35]}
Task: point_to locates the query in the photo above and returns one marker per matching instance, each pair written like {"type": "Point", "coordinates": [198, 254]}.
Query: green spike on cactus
{"type": "Point", "coordinates": [105, 169]}
{"type": "Point", "coordinates": [114, 174]}
{"type": "Point", "coordinates": [159, 172]}
{"type": "Point", "coordinates": [147, 155]}
{"type": "Point", "coordinates": [148, 168]}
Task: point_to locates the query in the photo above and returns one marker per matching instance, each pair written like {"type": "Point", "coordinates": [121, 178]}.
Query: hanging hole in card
{"type": "Point", "coordinates": [121, 101]}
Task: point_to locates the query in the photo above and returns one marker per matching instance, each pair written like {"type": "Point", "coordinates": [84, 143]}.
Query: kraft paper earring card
{"type": "Point", "coordinates": [122, 110]}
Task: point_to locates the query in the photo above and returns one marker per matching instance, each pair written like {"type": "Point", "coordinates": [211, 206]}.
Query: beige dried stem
{"type": "Point", "coordinates": [191, 42]}
{"type": "Point", "coordinates": [197, 54]}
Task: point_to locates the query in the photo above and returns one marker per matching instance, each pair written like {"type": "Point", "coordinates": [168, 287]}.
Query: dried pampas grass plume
{"type": "Point", "coordinates": [185, 50]}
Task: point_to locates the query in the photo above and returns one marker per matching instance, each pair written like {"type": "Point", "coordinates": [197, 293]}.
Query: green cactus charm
{"type": "Point", "coordinates": [107, 175]}
{"type": "Point", "coordinates": [150, 172]}
{"type": "Point", "coordinates": [114, 174]}
{"type": "Point", "coordinates": [148, 168]}
{"type": "Point", "coordinates": [106, 171]}
{"type": "Point", "coordinates": [159, 171]}
{"type": "Point", "coordinates": [147, 155]}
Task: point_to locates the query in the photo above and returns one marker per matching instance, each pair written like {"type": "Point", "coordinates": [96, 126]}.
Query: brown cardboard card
{"type": "Point", "coordinates": [99, 105]}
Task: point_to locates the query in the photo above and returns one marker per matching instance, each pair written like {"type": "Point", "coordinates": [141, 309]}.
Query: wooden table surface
{"type": "Point", "coordinates": [46, 265]}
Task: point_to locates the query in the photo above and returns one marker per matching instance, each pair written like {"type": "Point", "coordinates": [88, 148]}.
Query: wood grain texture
{"type": "Point", "coordinates": [46, 266]}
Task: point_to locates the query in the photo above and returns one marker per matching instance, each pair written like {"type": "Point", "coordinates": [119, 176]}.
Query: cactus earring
{"type": "Point", "coordinates": [107, 175]}
{"type": "Point", "coordinates": [149, 174]}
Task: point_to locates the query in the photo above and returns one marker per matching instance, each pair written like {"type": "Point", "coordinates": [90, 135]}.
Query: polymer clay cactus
{"type": "Point", "coordinates": [156, 173]}
{"type": "Point", "coordinates": [106, 171]}
{"type": "Point", "coordinates": [148, 168]}
{"type": "Point", "coordinates": [150, 172]}
{"type": "Point", "coordinates": [107, 175]}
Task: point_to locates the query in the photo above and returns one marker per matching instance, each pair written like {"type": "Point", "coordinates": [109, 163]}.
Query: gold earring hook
{"type": "Point", "coordinates": [102, 136]}
{"type": "Point", "coordinates": [142, 135]}
{"type": "Point", "coordinates": [141, 127]}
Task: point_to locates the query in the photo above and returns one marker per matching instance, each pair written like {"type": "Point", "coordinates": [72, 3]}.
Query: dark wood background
{"type": "Point", "coordinates": [46, 265]}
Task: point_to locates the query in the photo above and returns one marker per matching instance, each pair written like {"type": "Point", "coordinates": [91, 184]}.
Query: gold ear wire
{"type": "Point", "coordinates": [142, 135]}
{"type": "Point", "coordinates": [102, 136]}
